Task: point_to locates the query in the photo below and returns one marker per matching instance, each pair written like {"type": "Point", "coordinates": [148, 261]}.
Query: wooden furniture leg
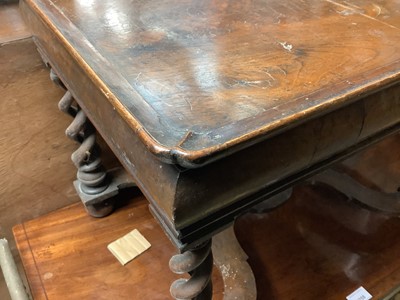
{"type": "Point", "coordinates": [198, 262]}
{"type": "Point", "coordinates": [229, 257]}
{"type": "Point", "coordinates": [231, 260]}
{"type": "Point", "coordinates": [95, 186]}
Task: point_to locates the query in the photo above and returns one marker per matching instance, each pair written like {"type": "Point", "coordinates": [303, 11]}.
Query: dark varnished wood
{"type": "Point", "coordinates": [354, 100]}
{"type": "Point", "coordinates": [385, 12]}
{"type": "Point", "coordinates": [319, 245]}
{"type": "Point", "coordinates": [197, 79]}
{"type": "Point", "coordinates": [196, 200]}
{"type": "Point", "coordinates": [356, 105]}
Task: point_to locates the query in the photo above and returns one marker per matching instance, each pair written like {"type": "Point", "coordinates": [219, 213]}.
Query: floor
{"type": "Point", "coordinates": [35, 168]}
{"type": "Point", "coordinates": [37, 178]}
{"type": "Point", "coordinates": [12, 27]}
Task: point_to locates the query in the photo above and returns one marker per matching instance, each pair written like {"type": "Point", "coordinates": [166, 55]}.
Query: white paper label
{"type": "Point", "coordinates": [359, 294]}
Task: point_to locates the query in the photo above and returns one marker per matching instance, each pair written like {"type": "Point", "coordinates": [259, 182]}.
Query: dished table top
{"type": "Point", "coordinates": [200, 79]}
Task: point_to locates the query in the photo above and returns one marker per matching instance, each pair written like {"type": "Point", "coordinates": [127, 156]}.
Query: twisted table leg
{"type": "Point", "coordinates": [198, 263]}
{"type": "Point", "coordinates": [95, 186]}
{"type": "Point", "coordinates": [54, 77]}
{"type": "Point", "coordinates": [91, 175]}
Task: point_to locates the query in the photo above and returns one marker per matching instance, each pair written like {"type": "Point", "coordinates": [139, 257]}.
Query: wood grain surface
{"type": "Point", "coordinates": [385, 14]}
{"type": "Point", "coordinates": [382, 11]}
{"type": "Point", "coordinates": [318, 245]}
{"type": "Point", "coordinates": [65, 255]}
{"type": "Point", "coordinates": [199, 77]}
{"type": "Point", "coordinates": [321, 246]}
{"type": "Point", "coordinates": [226, 180]}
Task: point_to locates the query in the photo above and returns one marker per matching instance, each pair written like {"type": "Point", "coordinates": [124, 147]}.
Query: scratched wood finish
{"type": "Point", "coordinates": [195, 203]}
{"type": "Point", "coordinates": [385, 12]}
{"type": "Point", "coordinates": [194, 78]}
{"type": "Point", "coordinates": [65, 255]}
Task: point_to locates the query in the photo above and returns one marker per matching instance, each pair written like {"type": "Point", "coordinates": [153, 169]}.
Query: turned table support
{"type": "Point", "coordinates": [198, 263]}
{"type": "Point", "coordinates": [95, 186]}
{"type": "Point", "coordinates": [227, 255]}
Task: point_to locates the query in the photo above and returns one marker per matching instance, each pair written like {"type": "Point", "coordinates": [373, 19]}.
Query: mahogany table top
{"type": "Point", "coordinates": [205, 78]}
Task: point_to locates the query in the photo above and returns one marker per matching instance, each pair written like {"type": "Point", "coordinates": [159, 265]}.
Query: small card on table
{"type": "Point", "coordinates": [129, 246]}
{"type": "Point", "coordinates": [359, 294]}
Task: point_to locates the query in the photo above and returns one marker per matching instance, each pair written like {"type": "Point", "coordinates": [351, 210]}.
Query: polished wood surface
{"type": "Point", "coordinates": [194, 204]}
{"type": "Point", "coordinates": [196, 78]}
{"type": "Point", "coordinates": [65, 255]}
{"type": "Point", "coordinates": [320, 245]}
{"type": "Point", "coordinates": [382, 11]}
{"type": "Point", "coordinates": [317, 246]}
{"type": "Point", "coordinates": [186, 160]}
